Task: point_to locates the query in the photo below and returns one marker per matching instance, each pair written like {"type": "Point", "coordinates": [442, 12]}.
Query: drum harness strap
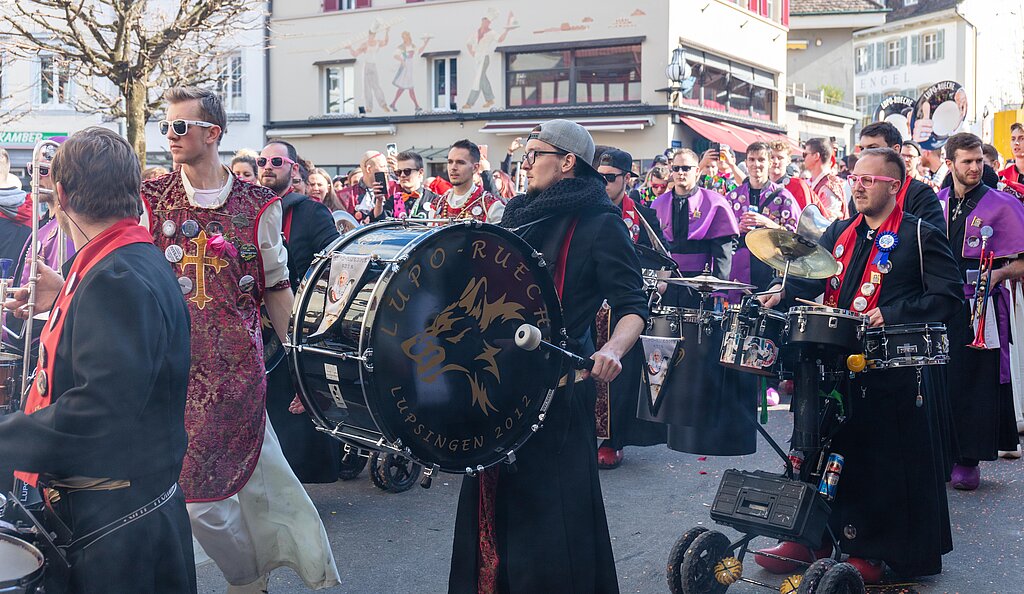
{"type": "Point", "coordinates": [91, 538]}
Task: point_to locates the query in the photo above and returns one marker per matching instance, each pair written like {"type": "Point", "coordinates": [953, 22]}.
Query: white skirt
{"type": "Point", "coordinates": [270, 523]}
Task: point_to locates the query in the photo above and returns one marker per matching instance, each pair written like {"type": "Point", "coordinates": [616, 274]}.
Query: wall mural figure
{"type": "Point", "coordinates": [404, 79]}
{"type": "Point", "coordinates": [481, 46]}
{"type": "Point", "coordinates": [370, 48]}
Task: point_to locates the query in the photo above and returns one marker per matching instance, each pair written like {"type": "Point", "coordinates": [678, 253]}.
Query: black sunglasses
{"type": "Point", "coordinates": [609, 178]}
{"type": "Point", "coordinates": [406, 172]}
{"type": "Point", "coordinates": [44, 170]}
{"type": "Point", "coordinates": [683, 168]}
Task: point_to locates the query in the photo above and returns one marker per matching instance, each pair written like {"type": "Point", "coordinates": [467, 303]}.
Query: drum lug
{"type": "Point", "coordinates": [801, 324]}
{"type": "Point", "coordinates": [428, 476]}
{"type": "Point", "coordinates": [539, 257]}
{"type": "Point", "coordinates": [367, 359]}
{"type": "Point", "coordinates": [510, 459]}
{"type": "Point", "coordinates": [833, 323]}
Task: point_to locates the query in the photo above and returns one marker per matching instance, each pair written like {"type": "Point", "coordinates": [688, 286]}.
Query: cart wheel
{"type": "Point", "coordinates": [699, 562]}
{"type": "Point", "coordinates": [393, 473]}
{"type": "Point", "coordinates": [675, 558]}
{"type": "Point", "coordinates": [353, 467]}
{"type": "Point", "coordinates": [841, 578]}
{"type": "Point", "coordinates": [809, 584]}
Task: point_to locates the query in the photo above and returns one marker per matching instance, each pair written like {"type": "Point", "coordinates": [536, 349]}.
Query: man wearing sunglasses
{"type": "Point", "coordinates": [698, 227]}
{"type": "Point", "coordinates": [617, 423]}
{"type": "Point", "coordinates": [542, 528]}
{"type": "Point", "coordinates": [308, 228]}
{"type": "Point", "coordinates": [223, 240]}
{"type": "Point", "coordinates": [759, 203]}
{"type": "Point", "coordinates": [414, 200]}
{"type": "Point", "coordinates": [896, 269]}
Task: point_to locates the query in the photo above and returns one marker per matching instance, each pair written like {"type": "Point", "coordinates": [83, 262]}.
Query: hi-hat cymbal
{"type": "Point", "coordinates": [705, 283]}
{"type": "Point", "coordinates": [776, 247]}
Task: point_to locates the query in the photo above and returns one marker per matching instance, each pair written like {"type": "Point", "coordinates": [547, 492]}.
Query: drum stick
{"type": "Point", "coordinates": [807, 302]}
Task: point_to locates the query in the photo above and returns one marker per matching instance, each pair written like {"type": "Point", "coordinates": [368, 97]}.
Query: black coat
{"type": "Point", "coordinates": [551, 532]}
{"type": "Point", "coordinates": [891, 502]}
{"type": "Point", "coordinates": [922, 202]}
{"type": "Point", "coordinates": [313, 456]}
{"type": "Point", "coordinates": [119, 384]}
{"type": "Point", "coordinates": [12, 239]}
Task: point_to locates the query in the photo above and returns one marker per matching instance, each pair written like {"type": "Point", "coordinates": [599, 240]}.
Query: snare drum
{"type": "Point", "coordinates": [21, 566]}
{"type": "Point", "coordinates": [10, 371]}
{"type": "Point", "coordinates": [752, 339]}
{"type": "Point", "coordinates": [828, 327]}
{"type": "Point", "coordinates": [403, 341]}
{"type": "Point", "coordinates": [906, 345]}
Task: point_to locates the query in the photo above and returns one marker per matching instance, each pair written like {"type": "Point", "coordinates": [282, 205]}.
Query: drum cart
{"type": "Point", "coordinates": [393, 473]}
{"type": "Point", "coordinates": [822, 345]}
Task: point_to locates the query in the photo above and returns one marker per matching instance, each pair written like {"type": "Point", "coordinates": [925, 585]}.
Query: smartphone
{"type": "Point", "coordinates": [716, 147]}
{"type": "Point", "coordinates": [381, 179]}
{"type": "Point", "coordinates": [391, 149]}
{"type": "Point", "coordinates": [483, 151]}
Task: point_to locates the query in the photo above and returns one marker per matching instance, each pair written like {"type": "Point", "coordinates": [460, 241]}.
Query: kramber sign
{"type": "Point", "coordinates": [12, 138]}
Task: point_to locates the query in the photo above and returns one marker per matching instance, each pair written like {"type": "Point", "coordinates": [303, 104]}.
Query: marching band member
{"type": "Point", "coordinates": [103, 428]}
{"type": "Point", "coordinates": [543, 528]}
{"type": "Point", "coordinates": [756, 203]}
{"type": "Point", "coordinates": [891, 500]}
{"type": "Point", "coordinates": [617, 423]}
{"type": "Point", "coordinates": [222, 237]}
{"type": "Point", "coordinates": [1013, 175]}
{"type": "Point", "coordinates": [820, 160]}
{"type": "Point", "coordinates": [466, 199]}
{"type": "Point", "coordinates": [698, 225]}
{"type": "Point", "coordinates": [979, 379]}
{"type": "Point", "coordinates": [779, 175]}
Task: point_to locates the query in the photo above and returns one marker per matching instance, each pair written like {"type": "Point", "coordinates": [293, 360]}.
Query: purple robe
{"type": "Point", "coordinates": [782, 209]}
{"type": "Point", "coordinates": [47, 249]}
{"type": "Point", "coordinates": [1005, 215]}
{"type": "Point", "coordinates": [709, 219]}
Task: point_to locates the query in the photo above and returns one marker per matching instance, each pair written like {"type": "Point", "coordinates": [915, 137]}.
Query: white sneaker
{"type": "Point", "coordinates": [1010, 454]}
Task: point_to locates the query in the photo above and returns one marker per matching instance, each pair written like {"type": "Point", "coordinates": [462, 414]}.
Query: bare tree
{"type": "Point", "coordinates": [125, 53]}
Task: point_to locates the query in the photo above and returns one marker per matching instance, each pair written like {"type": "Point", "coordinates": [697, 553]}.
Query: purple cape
{"type": "Point", "coordinates": [998, 210]}
{"type": "Point", "coordinates": [709, 219]}
{"type": "Point", "coordinates": [783, 209]}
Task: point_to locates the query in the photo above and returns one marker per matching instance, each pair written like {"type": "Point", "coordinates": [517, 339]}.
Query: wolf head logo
{"type": "Point", "coordinates": [463, 323]}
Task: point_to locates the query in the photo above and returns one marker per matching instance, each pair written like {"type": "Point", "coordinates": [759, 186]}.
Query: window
{"type": "Point", "coordinates": [444, 83]}
{"type": "Point", "coordinates": [590, 75]}
{"type": "Point", "coordinates": [723, 85]}
{"type": "Point", "coordinates": [335, 5]}
{"type": "Point", "coordinates": [862, 58]}
{"type": "Point", "coordinates": [54, 81]}
{"type": "Point", "coordinates": [895, 53]}
{"type": "Point", "coordinates": [928, 47]}
{"type": "Point", "coordinates": [231, 83]}
{"type": "Point", "coordinates": [338, 89]}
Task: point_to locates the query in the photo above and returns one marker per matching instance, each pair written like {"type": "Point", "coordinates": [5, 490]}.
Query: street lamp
{"type": "Point", "coordinates": [678, 69]}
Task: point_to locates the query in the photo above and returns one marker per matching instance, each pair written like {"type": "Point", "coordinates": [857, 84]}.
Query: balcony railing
{"type": "Point", "coordinates": [819, 95]}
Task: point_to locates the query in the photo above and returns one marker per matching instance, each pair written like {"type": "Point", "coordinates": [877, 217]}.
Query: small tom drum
{"type": "Point", "coordinates": [829, 327]}
{"type": "Point", "coordinates": [752, 339]}
{"type": "Point", "coordinates": [21, 566]}
{"type": "Point", "coordinates": [906, 345]}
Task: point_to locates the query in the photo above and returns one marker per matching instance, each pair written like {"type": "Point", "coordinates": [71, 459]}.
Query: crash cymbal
{"type": "Point", "coordinates": [705, 283]}
{"type": "Point", "coordinates": [776, 247]}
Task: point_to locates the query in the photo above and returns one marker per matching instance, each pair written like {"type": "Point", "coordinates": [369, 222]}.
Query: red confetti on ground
{"type": "Point", "coordinates": [703, 472]}
{"type": "Point", "coordinates": [703, 458]}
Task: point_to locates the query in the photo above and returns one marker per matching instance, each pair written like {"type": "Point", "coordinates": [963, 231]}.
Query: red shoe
{"type": "Point", "coordinates": [789, 550]}
{"type": "Point", "coordinates": [608, 458]}
{"type": "Point", "coordinates": [870, 571]}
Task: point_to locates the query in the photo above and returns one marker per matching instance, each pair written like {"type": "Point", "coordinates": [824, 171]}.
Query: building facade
{"type": "Point", "coordinates": [820, 66]}
{"type": "Point", "coordinates": [976, 43]}
{"type": "Point", "coordinates": [40, 98]}
{"type": "Point", "coordinates": [352, 75]}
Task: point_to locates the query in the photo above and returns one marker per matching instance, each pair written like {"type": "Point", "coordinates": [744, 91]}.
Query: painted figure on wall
{"type": "Point", "coordinates": [481, 46]}
{"type": "Point", "coordinates": [404, 79]}
{"type": "Point", "coordinates": [370, 48]}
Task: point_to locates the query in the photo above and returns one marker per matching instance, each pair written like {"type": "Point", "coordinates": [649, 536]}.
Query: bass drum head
{"type": "Point", "coordinates": [448, 381]}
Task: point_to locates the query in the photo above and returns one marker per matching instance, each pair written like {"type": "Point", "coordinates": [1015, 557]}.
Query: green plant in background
{"type": "Point", "coordinates": [832, 94]}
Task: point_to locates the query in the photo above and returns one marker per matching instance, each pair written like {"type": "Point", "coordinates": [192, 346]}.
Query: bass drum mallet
{"type": "Point", "coordinates": [529, 338]}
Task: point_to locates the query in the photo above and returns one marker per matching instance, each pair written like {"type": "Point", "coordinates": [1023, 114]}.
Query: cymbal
{"type": "Point", "coordinates": [776, 247]}
{"type": "Point", "coordinates": [705, 283]}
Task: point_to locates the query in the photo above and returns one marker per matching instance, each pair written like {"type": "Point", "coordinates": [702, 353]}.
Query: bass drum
{"type": "Point", "coordinates": [403, 342]}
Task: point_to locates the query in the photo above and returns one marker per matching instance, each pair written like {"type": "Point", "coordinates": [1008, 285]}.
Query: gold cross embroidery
{"type": "Point", "coordinates": [200, 261]}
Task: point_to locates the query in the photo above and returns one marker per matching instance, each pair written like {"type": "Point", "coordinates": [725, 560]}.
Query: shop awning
{"type": "Point", "coordinates": [514, 127]}
{"type": "Point", "coordinates": [737, 137]}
